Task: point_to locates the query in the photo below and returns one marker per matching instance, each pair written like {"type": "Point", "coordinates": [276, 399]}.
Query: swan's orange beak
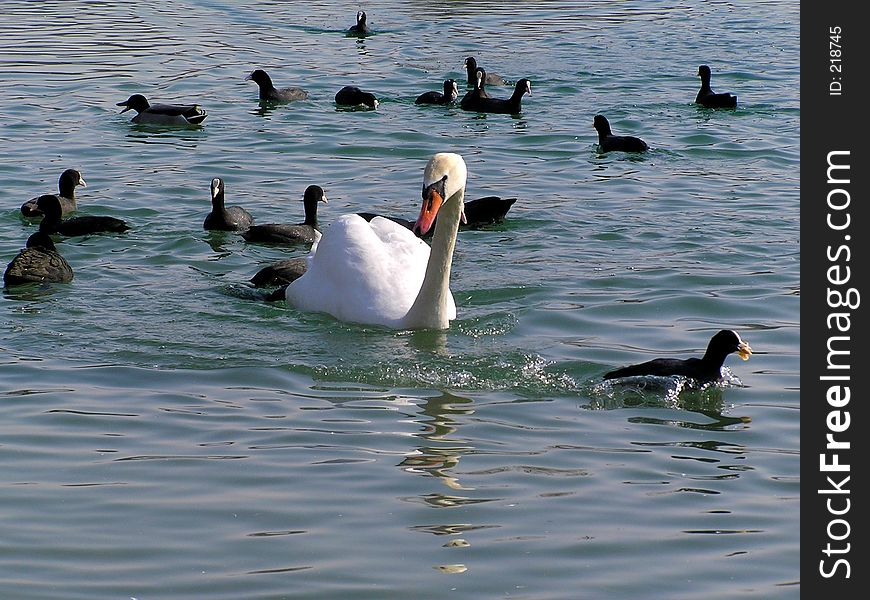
{"type": "Point", "coordinates": [744, 351]}
{"type": "Point", "coordinates": [432, 201]}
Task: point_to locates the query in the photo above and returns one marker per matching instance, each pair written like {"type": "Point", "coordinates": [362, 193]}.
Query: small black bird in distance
{"type": "Point", "coordinates": [706, 97]}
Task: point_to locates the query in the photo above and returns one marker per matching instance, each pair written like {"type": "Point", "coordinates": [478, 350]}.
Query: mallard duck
{"type": "Point", "coordinates": [163, 114]}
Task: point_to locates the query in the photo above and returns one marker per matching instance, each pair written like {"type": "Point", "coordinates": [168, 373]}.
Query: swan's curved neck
{"type": "Point", "coordinates": [430, 309]}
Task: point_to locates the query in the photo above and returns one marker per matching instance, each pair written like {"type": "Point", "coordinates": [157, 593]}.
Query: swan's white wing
{"type": "Point", "coordinates": [410, 256]}
{"type": "Point", "coordinates": [362, 272]}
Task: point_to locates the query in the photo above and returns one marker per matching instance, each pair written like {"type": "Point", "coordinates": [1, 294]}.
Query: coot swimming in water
{"type": "Point", "coordinates": [282, 233]}
{"type": "Point", "coordinates": [706, 97]}
{"type": "Point", "coordinates": [608, 142]}
{"type": "Point", "coordinates": [704, 370]}
{"type": "Point", "coordinates": [225, 218]}
{"type": "Point", "coordinates": [66, 193]}
{"type": "Point", "coordinates": [268, 91]}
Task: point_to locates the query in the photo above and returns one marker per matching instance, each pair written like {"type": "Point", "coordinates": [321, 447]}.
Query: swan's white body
{"type": "Point", "coordinates": [379, 272]}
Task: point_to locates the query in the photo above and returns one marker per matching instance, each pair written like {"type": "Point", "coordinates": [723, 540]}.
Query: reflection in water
{"type": "Point", "coordinates": [430, 340]}
{"type": "Point", "coordinates": [30, 292]}
{"type": "Point", "coordinates": [264, 108]}
{"type": "Point", "coordinates": [217, 242]}
{"type": "Point", "coordinates": [674, 392]}
{"type": "Point", "coordinates": [720, 422]}
{"type": "Point", "coordinates": [437, 460]}
{"type": "Point", "coordinates": [148, 133]}
{"type": "Point", "coordinates": [707, 445]}
{"type": "Point", "coordinates": [454, 529]}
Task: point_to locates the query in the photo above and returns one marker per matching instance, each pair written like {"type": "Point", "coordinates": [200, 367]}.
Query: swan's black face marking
{"type": "Point", "coordinates": [433, 197]}
{"type": "Point", "coordinates": [439, 187]}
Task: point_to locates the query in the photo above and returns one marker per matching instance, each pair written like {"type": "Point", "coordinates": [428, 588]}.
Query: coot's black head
{"type": "Point", "coordinates": [480, 74]}
{"type": "Point", "coordinates": [368, 99]}
{"type": "Point", "coordinates": [40, 239]}
{"type": "Point", "coordinates": [704, 72]}
{"type": "Point", "coordinates": [260, 77]}
{"type": "Point", "coordinates": [451, 90]}
{"type": "Point", "coordinates": [725, 342]}
{"type": "Point", "coordinates": [313, 195]}
{"type": "Point", "coordinates": [524, 86]}
{"type": "Point", "coordinates": [217, 190]}
{"type": "Point", "coordinates": [68, 181]}
{"type": "Point", "coordinates": [136, 102]}
{"type": "Point", "coordinates": [361, 19]}
{"type": "Point", "coordinates": [50, 206]}
{"type": "Point", "coordinates": [601, 124]}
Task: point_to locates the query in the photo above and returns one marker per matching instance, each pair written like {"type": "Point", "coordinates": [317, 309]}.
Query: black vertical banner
{"type": "Point", "coordinates": [835, 228]}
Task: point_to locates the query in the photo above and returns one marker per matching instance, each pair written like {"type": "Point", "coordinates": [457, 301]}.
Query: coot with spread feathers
{"type": "Point", "coordinates": [608, 142]}
{"type": "Point", "coordinates": [361, 27]}
{"type": "Point", "coordinates": [490, 78]}
{"type": "Point", "coordinates": [54, 223]}
{"type": "Point", "coordinates": [282, 233]}
{"type": "Point", "coordinates": [268, 91]}
{"type": "Point", "coordinates": [38, 262]}
{"type": "Point", "coordinates": [451, 93]}
{"type": "Point", "coordinates": [704, 370]}
{"type": "Point", "coordinates": [351, 95]}
{"type": "Point", "coordinates": [66, 193]}
{"type": "Point", "coordinates": [222, 217]}
{"type": "Point", "coordinates": [706, 97]}
{"type": "Point", "coordinates": [508, 106]}
{"type": "Point", "coordinates": [163, 114]}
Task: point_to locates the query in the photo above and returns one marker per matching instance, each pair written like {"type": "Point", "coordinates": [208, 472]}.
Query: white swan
{"type": "Point", "coordinates": [379, 272]}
